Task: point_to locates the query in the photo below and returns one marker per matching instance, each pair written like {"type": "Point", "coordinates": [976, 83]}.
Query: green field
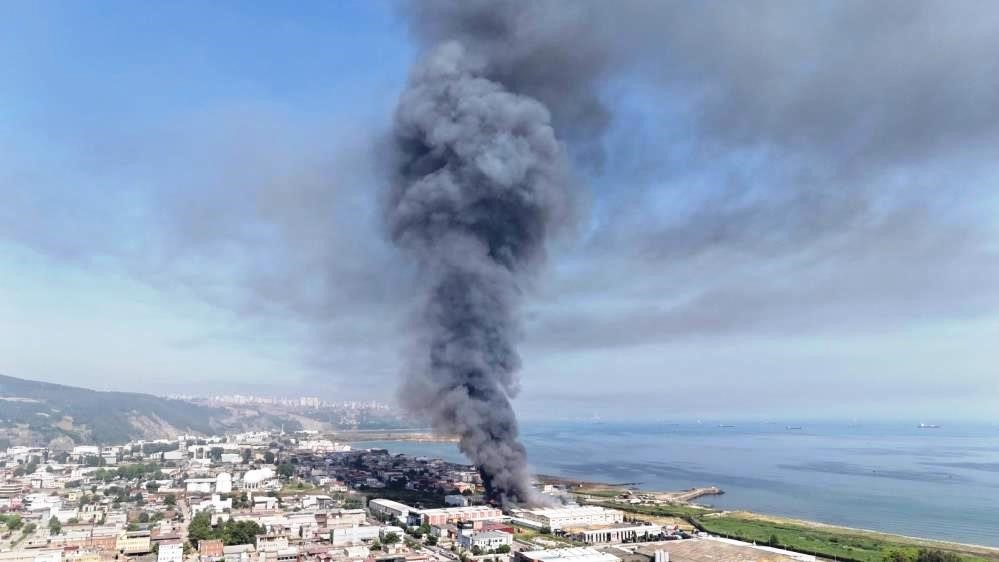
{"type": "Point", "coordinates": [837, 543]}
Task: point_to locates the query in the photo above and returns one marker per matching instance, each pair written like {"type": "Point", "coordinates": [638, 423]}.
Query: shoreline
{"type": "Point", "coordinates": [598, 493]}
{"type": "Point", "coordinates": [682, 505]}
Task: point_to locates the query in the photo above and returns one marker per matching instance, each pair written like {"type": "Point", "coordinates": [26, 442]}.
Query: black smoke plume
{"type": "Point", "coordinates": [481, 182]}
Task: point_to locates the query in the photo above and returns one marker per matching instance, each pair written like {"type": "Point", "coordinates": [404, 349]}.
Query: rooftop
{"type": "Point", "coordinates": [577, 554]}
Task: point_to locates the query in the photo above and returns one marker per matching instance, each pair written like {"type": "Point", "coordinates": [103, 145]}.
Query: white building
{"type": "Point", "coordinates": [556, 518]}
{"type": "Point", "coordinates": [619, 532]}
{"type": "Point", "coordinates": [199, 485]}
{"type": "Point", "coordinates": [578, 554]}
{"type": "Point", "coordinates": [486, 541]}
{"type": "Point", "coordinates": [239, 553]}
{"type": "Point", "coordinates": [223, 483]}
{"type": "Point", "coordinates": [257, 478]}
{"type": "Point", "coordinates": [34, 555]}
{"type": "Point", "coordinates": [216, 504]}
{"type": "Point", "coordinates": [170, 551]}
{"type": "Point", "coordinates": [389, 508]}
{"type": "Point", "coordinates": [354, 535]}
{"type": "Point", "coordinates": [231, 458]}
{"type": "Point", "coordinates": [174, 455]}
{"type": "Point", "coordinates": [456, 500]}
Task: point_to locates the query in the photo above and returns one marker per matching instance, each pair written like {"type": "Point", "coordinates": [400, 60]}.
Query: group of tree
{"type": "Point", "coordinates": [12, 521]}
{"type": "Point", "coordinates": [286, 470]}
{"type": "Point", "coordinates": [130, 472]}
{"type": "Point", "coordinates": [240, 501]}
{"type": "Point", "coordinates": [154, 448]}
{"type": "Point", "coordinates": [55, 526]}
{"type": "Point", "coordinates": [28, 468]}
{"type": "Point", "coordinates": [921, 555]}
{"type": "Point", "coordinates": [501, 549]}
{"type": "Point", "coordinates": [231, 532]}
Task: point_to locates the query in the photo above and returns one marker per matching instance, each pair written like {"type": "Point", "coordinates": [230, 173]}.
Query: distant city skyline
{"type": "Point", "coordinates": [790, 220]}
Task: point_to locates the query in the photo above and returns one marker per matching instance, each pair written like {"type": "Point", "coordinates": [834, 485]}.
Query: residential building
{"type": "Point", "coordinates": [170, 551]}
{"type": "Point", "coordinates": [210, 550]}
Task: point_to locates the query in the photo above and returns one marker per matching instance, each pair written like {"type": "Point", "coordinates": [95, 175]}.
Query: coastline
{"type": "Point", "coordinates": [755, 527]}
{"type": "Point", "coordinates": [735, 520]}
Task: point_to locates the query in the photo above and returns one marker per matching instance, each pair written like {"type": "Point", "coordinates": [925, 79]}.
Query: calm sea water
{"type": "Point", "coordinates": [936, 483]}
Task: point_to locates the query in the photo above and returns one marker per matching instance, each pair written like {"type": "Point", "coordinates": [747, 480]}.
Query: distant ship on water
{"type": "Point", "coordinates": [793, 427]}
{"type": "Point", "coordinates": [928, 426]}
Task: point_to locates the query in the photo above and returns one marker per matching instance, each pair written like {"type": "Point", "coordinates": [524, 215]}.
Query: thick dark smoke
{"type": "Point", "coordinates": [481, 183]}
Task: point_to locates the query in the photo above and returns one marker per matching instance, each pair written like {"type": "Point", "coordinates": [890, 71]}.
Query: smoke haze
{"type": "Point", "coordinates": [778, 195]}
{"type": "Point", "coordinates": [481, 184]}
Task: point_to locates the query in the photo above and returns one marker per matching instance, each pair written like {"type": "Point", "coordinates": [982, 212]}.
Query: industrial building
{"type": "Point", "coordinates": [618, 532]}
{"type": "Point", "coordinates": [390, 508]}
{"type": "Point", "coordinates": [486, 541]}
{"type": "Point", "coordinates": [445, 515]}
{"type": "Point", "coordinates": [558, 518]}
{"type": "Point", "coordinates": [578, 554]}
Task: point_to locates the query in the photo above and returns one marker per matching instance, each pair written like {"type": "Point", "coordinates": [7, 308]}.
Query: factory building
{"type": "Point", "coordinates": [558, 518]}
{"type": "Point", "coordinates": [445, 515]}
{"type": "Point", "coordinates": [618, 532]}
{"type": "Point", "coordinates": [389, 508]}
{"type": "Point", "coordinates": [486, 541]}
{"type": "Point", "coordinates": [579, 554]}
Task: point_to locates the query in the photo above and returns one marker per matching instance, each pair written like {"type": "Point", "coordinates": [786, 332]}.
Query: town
{"type": "Point", "coordinates": [300, 497]}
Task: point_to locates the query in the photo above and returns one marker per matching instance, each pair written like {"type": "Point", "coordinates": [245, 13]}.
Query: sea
{"type": "Point", "coordinates": [940, 483]}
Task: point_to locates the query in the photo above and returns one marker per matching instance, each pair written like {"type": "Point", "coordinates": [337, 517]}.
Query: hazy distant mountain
{"type": "Point", "coordinates": [41, 413]}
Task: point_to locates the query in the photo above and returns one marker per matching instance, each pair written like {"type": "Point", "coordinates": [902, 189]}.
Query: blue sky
{"type": "Point", "coordinates": [191, 205]}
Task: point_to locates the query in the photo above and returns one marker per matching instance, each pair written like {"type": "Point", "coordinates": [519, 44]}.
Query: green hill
{"type": "Point", "coordinates": [37, 413]}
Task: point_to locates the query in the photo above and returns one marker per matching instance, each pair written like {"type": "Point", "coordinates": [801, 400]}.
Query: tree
{"type": "Point", "coordinates": [55, 527]}
{"type": "Point", "coordinates": [240, 532]}
{"type": "Point", "coordinates": [431, 540]}
{"type": "Point", "coordinates": [390, 538]}
{"type": "Point", "coordinates": [286, 470]}
{"type": "Point", "coordinates": [269, 457]}
{"type": "Point", "coordinates": [144, 517]}
{"type": "Point", "coordinates": [503, 549]}
{"type": "Point", "coordinates": [132, 527]}
{"type": "Point", "coordinates": [247, 456]}
{"type": "Point", "coordinates": [29, 528]}
{"type": "Point", "coordinates": [170, 499]}
{"type": "Point", "coordinates": [476, 550]}
{"type": "Point", "coordinates": [927, 555]}
{"type": "Point", "coordinates": [774, 541]}
{"type": "Point", "coordinates": [215, 453]}
{"type": "Point", "coordinates": [152, 486]}
{"type": "Point", "coordinates": [13, 522]}
{"type": "Point", "coordinates": [200, 528]}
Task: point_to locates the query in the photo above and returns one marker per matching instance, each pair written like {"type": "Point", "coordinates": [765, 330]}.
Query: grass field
{"type": "Point", "coordinates": [827, 541]}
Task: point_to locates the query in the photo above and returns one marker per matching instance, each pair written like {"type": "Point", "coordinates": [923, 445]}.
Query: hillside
{"type": "Point", "coordinates": [39, 413]}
